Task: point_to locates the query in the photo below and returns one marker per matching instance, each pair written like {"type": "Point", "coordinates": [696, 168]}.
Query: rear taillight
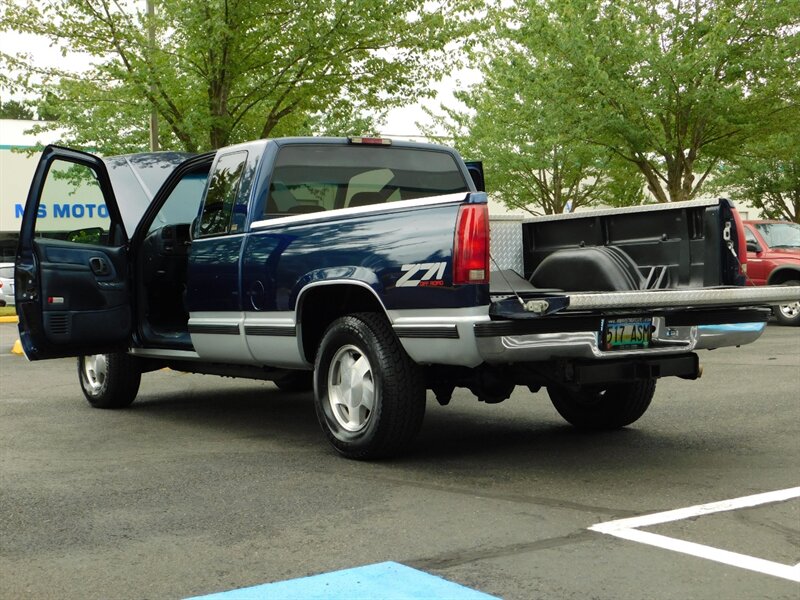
{"type": "Point", "coordinates": [471, 246]}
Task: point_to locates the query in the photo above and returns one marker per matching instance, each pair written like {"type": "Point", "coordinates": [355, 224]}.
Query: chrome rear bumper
{"type": "Point", "coordinates": [585, 344]}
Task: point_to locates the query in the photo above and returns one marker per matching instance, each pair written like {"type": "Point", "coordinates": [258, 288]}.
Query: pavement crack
{"type": "Point", "coordinates": [506, 496]}
{"type": "Point", "coordinates": [790, 534]}
{"type": "Point", "coordinates": [465, 556]}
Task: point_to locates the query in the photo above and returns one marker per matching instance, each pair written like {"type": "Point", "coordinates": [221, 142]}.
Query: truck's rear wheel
{"type": "Point", "coordinates": [789, 314]}
{"type": "Point", "coordinates": [369, 395]}
{"type": "Point", "coordinates": [603, 407]}
{"type": "Point", "coordinates": [109, 380]}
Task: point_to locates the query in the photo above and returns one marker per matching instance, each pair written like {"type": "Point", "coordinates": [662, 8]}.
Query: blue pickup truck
{"type": "Point", "coordinates": [370, 271]}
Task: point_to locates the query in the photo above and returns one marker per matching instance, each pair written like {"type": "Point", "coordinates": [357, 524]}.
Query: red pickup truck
{"type": "Point", "coordinates": [773, 258]}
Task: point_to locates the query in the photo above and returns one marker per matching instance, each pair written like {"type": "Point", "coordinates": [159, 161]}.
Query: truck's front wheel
{"type": "Point", "coordinates": [109, 380]}
{"type": "Point", "coordinates": [369, 395]}
{"type": "Point", "coordinates": [603, 407]}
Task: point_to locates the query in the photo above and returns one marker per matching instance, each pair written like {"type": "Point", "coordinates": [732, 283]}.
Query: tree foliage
{"type": "Point", "coordinates": [224, 71]}
{"type": "Point", "coordinates": [766, 174]}
{"type": "Point", "coordinates": [535, 152]}
{"type": "Point", "coordinates": [14, 109]}
{"type": "Point", "coordinates": [670, 87]}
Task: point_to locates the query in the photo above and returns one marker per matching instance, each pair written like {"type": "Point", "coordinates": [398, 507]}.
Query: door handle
{"type": "Point", "coordinates": [99, 266]}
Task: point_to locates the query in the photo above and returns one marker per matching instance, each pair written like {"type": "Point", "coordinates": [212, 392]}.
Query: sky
{"type": "Point", "coordinates": [402, 122]}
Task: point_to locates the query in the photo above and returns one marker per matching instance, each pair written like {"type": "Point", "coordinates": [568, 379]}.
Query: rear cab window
{"type": "Point", "coordinates": [313, 177]}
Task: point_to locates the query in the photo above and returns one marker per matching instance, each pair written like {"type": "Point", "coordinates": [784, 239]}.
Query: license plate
{"type": "Point", "coordinates": [626, 334]}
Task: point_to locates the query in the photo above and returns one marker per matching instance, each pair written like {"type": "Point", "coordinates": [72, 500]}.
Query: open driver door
{"type": "Point", "coordinates": [72, 275]}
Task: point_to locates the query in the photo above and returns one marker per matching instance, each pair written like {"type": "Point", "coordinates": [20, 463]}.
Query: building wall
{"type": "Point", "coordinates": [68, 207]}
{"type": "Point", "coordinates": [496, 206]}
{"type": "Point", "coordinates": [16, 172]}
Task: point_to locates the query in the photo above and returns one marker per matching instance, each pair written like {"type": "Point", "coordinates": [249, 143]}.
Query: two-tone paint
{"type": "Point", "coordinates": [247, 290]}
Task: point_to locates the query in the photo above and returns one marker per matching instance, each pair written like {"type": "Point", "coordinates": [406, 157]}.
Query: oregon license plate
{"type": "Point", "coordinates": [627, 333]}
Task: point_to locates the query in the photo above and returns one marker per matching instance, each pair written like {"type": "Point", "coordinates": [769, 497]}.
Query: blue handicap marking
{"type": "Point", "coordinates": [385, 581]}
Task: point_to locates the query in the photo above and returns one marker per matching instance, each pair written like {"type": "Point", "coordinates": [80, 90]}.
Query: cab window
{"type": "Point", "coordinates": [223, 188]}
{"type": "Point", "coordinates": [183, 203]}
{"type": "Point", "coordinates": [72, 206]}
{"type": "Point", "coordinates": [311, 178]}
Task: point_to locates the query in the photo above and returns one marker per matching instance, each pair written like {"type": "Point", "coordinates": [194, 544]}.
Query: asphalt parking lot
{"type": "Point", "coordinates": [208, 484]}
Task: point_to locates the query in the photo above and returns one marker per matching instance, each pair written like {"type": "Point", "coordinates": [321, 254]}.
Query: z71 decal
{"type": "Point", "coordinates": [422, 275]}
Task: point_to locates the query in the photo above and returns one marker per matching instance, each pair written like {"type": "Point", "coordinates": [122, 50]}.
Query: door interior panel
{"type": "Point", "coordinates": [73, 292]}
{"type": "Point", "coordinates": [84, 293]}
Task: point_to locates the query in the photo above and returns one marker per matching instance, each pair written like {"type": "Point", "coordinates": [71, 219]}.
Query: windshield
{"type": "Point", "coordinates": [136, 178]}
{"type": "Point", "coordinates": [780, 235]}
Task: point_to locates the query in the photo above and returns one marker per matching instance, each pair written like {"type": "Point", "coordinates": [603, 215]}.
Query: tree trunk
{"type": "Point", "coordinates": [653, 181]}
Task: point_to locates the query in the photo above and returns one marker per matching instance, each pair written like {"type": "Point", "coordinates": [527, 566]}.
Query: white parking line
{"type": "Point", "coordinates": [628, 529]}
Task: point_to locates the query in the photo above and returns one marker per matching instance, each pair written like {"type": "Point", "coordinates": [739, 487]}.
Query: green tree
{"type": "Point", "coordinates": [766, 174]}
{"type": "Point", "coordinates": [13, 109]}
{"type": "Point", "coordinates": [534, 151]}
{"type": "Point", "coordinates": [224, 71]}
{"type": "Point", "coordinates": [671, 87]}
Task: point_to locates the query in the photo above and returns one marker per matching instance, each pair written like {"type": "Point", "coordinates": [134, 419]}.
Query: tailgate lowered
{"type": "Point", "coordinates": [547, 325]}
{"type": "Point", "coordinates": [645, 300]}
{"type": "Point", "coordinates": [734, 296]}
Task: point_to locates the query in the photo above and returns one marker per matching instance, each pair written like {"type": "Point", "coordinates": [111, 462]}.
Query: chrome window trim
{"type": "Point", "coordinates": [360, 210]}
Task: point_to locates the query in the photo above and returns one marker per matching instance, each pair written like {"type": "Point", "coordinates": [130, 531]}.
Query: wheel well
{"type": "Point", "coordinates": [322, 305]}
{"type": "Point", "coordinates": [779, 276]}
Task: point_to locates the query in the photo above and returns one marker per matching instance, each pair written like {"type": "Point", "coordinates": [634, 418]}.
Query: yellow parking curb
{"type": "Point", "coordinates": [17, 348]}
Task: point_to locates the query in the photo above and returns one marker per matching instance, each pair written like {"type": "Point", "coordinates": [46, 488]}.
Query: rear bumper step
{"type": "Point", "coordinates": [686, 366]}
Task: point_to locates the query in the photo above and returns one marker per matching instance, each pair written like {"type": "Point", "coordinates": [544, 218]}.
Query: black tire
{"type": "Point", "coordinates": [109, 380]}
{"type": "Point", "coordinates": [789, 314]}
{"type": "Point", "coordinates": [603, 407]}
{"type": "Point", "coordinates": [295, 381]}
{"type": "Point", "coordinates": [360, 359]}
